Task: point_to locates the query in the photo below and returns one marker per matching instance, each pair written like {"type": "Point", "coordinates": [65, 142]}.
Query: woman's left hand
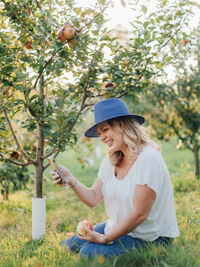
{"type": "Point", "coordinates": [93, 236]}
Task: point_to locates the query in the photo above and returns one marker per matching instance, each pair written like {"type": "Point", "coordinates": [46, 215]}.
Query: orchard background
{"type": "Point", "coordinates": [48, 88]}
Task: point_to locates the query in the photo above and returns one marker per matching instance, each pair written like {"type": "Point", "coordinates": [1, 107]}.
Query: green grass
{"type": "Point", "coordinates": [64, 211]}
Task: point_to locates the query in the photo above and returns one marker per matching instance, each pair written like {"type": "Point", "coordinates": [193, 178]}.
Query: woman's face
{"type": "Point", "coordinates": [112, 136]}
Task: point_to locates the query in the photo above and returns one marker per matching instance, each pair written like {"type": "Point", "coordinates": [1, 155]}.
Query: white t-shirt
{"type": "Point", "coordinates": [149, 169]}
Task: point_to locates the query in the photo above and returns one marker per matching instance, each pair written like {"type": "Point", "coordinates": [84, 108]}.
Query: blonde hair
{"type": "Point", "coordinates": [134, 136]}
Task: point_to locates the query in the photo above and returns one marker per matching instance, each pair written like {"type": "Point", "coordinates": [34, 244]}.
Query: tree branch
{"type": "Point", "coordinates": [89, 105]}
{"type": "Point", "coordinates": [171, 36]}
{"type": "Point", "coordinates": [46, 63]}
{"type": "Point", "coordinates": [100, 12]}
{"type": "Point", "coordinates": [50, 153]}
{"type": "Point", "coordinates": [140, 77]}
{"type": "Point", "coordinates": [16, 162]}
{"type": "Point", "coordinates": [82, 107]}
{"type": "Point", "coordinates": [55, 155]}
{"type": "Point", "coordinates": [18, 20]}
{"type": "Point", "coordinates": [38, 5]}
{"type": "Point", "coordinates": [16, 140]}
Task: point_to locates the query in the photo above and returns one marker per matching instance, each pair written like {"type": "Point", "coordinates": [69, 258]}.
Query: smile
{"type": "Point", "coordinates": [109, 143]}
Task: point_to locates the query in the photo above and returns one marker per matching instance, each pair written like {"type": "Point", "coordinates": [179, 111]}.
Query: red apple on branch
{"type": "Point", "coordinates": [28, 45]}
{"type": "Point", "coordinates": [109, 84]}
{"type": "Point", "coordinates": [69, 33]}
{"type": "Point", "coordinates": [14, 155]}
{"type": "Point", "coordinates": [66, 32]}
{"type": "Point", "coordinates": [185, 41]}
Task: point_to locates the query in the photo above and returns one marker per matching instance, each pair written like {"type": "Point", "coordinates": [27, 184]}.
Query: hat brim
{"type": "Point", "coordinates": [92, 131]}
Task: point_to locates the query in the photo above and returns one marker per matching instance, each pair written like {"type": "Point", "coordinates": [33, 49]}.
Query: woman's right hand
{"type": "Point", "coordinates": [68, 177]}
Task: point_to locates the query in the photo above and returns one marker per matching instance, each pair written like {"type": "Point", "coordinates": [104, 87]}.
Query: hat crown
{"type": "Point", "coordinates": [110, 108]}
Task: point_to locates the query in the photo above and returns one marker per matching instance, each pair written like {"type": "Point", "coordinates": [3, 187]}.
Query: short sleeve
{"type": "Point", "coordinates": [103, 169]}
{"type": "Point", "coordinates": [149, 171]}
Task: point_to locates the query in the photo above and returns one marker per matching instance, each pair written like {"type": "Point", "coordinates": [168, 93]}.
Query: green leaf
{"type": "Point", "coordinates": [123, 3]}
{"type": "Point", "coordinates": [174, 41]}
{"type": "Point", "coordinates": [144, 9]}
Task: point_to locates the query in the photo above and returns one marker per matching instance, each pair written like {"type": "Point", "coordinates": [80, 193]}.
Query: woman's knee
{"type": "Point", "coordinates": [100, 227]}
{"type": "Point", "coordinates": [73, 243]}
{"type": "Point", "coordinates": [85, 251]}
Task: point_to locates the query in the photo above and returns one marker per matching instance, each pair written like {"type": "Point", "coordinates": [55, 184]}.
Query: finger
{"type": "Point", "coordinates": [57, 181]}
{"type": "Point", "coordinates": [53, 172]}
{"type": "Point", "coordinates": [79, 236]}
{"type": "Point", "coordinates": [56, 177]}
{"type": "Point", "coordinates": [85, 237]}
{"type": "Point", "coordinates": [61, 185]}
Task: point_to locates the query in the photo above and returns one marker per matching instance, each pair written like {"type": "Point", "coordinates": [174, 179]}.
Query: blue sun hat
{"type": "Point", "coordinates": [108, 109]}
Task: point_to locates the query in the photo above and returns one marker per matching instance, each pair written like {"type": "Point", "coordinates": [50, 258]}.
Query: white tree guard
{"type": "Point", "coordinates": [38, 218]}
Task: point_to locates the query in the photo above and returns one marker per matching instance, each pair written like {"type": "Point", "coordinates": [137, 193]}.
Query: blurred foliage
{"type": "Point", "coordinates": [186, 184]}
{"type": "Point", "coordinates": [13, 178]}
{"type": "Point", "coordinates": [172, 106]}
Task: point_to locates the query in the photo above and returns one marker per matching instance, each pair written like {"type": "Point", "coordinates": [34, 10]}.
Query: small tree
{"type": "Point", "coordinates": [32, 57]}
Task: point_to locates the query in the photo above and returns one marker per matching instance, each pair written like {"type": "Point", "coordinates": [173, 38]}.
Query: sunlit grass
{"type": "Point", "coordinates": [64, 211]}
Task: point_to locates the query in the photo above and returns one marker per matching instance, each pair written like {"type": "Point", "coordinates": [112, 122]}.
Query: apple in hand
{"type": "Point", "coordinates": [81, 229]}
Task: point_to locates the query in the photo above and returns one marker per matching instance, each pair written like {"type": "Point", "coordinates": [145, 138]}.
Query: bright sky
{"type": "Point", "coordinates": [119, 14]}
{"type": "Point", "coordinates": [123, 15]}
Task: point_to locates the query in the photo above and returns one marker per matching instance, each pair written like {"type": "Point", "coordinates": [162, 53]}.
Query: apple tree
{"type": "Point", "coordinates": [48, 80]}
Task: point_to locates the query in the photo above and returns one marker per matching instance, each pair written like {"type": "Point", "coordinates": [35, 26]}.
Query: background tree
{"type": "Point", "coordinates": [173, 105]}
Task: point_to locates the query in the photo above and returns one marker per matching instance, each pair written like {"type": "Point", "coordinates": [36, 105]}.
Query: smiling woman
{"type": "Point", "coordinates": [133, 134]}
{"type": "Point", "coordinates": [134, 183]}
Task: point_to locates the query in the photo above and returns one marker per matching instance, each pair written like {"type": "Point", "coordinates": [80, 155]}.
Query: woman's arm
{"type": "Point", "coordinates": [90, 196]}
{"type": "Point", "coordinates": [143, 201]}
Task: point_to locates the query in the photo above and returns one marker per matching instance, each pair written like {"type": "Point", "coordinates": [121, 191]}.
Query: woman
{"type": "Point", "coordinates": [134, 182]}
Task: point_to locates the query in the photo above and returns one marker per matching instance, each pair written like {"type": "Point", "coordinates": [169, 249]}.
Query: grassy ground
{"type": "Point", "coordinates": [64, 211]}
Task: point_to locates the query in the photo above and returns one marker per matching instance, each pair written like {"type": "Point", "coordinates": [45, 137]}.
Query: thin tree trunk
{"type": "Point", "coordinates": [39, 166]}
{"type": "Point", "coordinates": [196, 162]}
{"type": "Point", "coordinates": [40, 147]}
{"type": "Point", "coordinates": [6, 193]}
